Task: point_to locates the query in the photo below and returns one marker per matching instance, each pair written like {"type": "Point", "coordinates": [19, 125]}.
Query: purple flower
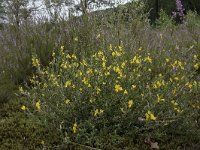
{"type": "Point", "coordinates": [179, 10]}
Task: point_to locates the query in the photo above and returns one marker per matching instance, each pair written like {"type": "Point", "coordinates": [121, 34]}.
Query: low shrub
{"type": "Point", "coordinates": [19, 131]}
{"type": "Point", "coordinates": [117, 97]}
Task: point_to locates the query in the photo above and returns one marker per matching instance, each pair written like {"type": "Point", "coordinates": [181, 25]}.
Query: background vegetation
{"type": "Point", "coordinates": [145, 90]}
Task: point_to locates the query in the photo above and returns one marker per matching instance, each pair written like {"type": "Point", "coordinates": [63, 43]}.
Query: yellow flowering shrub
{"type": "Point", "coordinates": [109, 90]}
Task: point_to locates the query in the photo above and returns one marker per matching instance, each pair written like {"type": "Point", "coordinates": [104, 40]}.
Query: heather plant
{"type": "Point", "coordinates": [178, 15]}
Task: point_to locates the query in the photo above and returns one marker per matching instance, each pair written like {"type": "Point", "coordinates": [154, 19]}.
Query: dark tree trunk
{"type": "Point", "coordinates": [157, 8]}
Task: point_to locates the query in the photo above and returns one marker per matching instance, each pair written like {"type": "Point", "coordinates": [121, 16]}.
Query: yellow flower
{"type": "Point", "coordinates": [178, 110]}
{"type": "Point", "coordinates": [160, 99]}
{"type": "Point", "coordinates": [84, 63]}
{"type": "Point", "coordinates": [74, 128]}
{"type": "Point", "coordinates": [125, 92]}
{"type": "Point", "coordinates": [98, 36]}
{"type": "Point", "coordinates": [158, 84]}
{"type": "Point", "coordinates": [130, 103]}
{"type": "Point", "coordinates": [104, 65]}
{"type": "Point", "coordinates": [98, 112]}
{"type": "Point", "coordinates": [189, 85]}
{"type": "Point", "coordinates": [178, 64]}
{"type": "Point", "coordinates": [103, 59]}
{"type": "Point", "coordinates": [117, 69]}
{"type": "Point", "coordinates": [135, 60]}
{"type": "Point", "coordinates": [76, 39]}
{"type": "Point", "coordinates": [63, 65]}
{"type": "Point", "coordinates": [68, 56]}
{"type": "Point", "coordinates": [68, 84]}
{"type": "Point", "coordinates": [123, 64]}
{"type": "Point", "coordinates": [62, 48]}
{"type": "Point", "coordinates": [100, 54]}
{"type": "Point", "coordinates": [120, 48]}
{"type": "Point", "coordinates": [116, 54]}
{"type": "Point", "coordinates": [21, 90]}
{"type": "Point", "coordinates": [101, 111]}
{"type": "Point", "coordinates": [196, 66]}
{"type": "Point", "coordinates": [98, 90]}
{"type": "Point", "coordinates": [150, 116]}
{"type": "Point", "coordinates": [133, 86]}
{"type": "Point", "coordinates": [147, 116]}
{"type": "Point", "coordinates": [118, 88]}
{"type": "Point", "coordinates": [195, 57]}
{"type": "Point", "coordinates": [142, 94]}
{"type": "Point", "coordinates": [23, 107]}
{"type": "Point", "coordinates": [148, 59]}
{"type": "Point", "coordinates": [74, 56]}
{"type": "Point", "coordinates": [107, 73]}
{"type": "Point", "coordinates": [176, 78]}
{"type": "Point", "coordinates": [37, 105]}
{"type": "Point", "coordinates": [53, 54]}
{"type": "Point", "coordinates": [78, 74]}
{"type": "Point", "coordinates": [67, 101]}
{"type": "Point", "coordinates": [110, 47]}
{"type": "Point", "coordinates": [89, 71]}
{"type": "Point", "coordinates": [174, 103]}
{"type": "Point", "coordinates": [35, 62]}
{"type": "Point", "coordinates": [89, 85]}
{"type": "Point", "coordinates": [85, 81]}
{"type": "Point", "coordinates": [167, 59]}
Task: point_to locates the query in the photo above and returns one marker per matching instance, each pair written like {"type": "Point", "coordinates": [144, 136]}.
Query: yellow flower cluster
{"type": "Point", "coordinates": [98, 112]}
{"type": "Point", "coordinates": [38, 105]}
{"type": "Point", "coordinates": [150, 116]}
{"type": "Point", "coordinates": [130, 103]}
{"type": "Point", "coordinates": [69, 84]}
{"type": "Point", "coordinates": [35, 61]}
{"type": "Point", "coordinates": [177, 64]}
{"type": "Point", "coordinates": [160, 98]}
{"type": "Point", "coordinates": [118, 88]}
{"type": "Point", "coordinates": [176, 107]}
{"type": "Point", "coordinates": [135, 60]}
{"type": "Point", "coordinates": [118, 51]}
{"type": "Point", "coordinates": [23, 107]}
{"type": "Point", "coordinates": [74, 128]}
{"type": "Point", "coordinates": [157, 84]}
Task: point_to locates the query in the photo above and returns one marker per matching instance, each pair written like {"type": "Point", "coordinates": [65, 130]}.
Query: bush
{"type": "Point", "coordinates": [164, 21]}
{"type": "Point", "coordinates": [126, 96]}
